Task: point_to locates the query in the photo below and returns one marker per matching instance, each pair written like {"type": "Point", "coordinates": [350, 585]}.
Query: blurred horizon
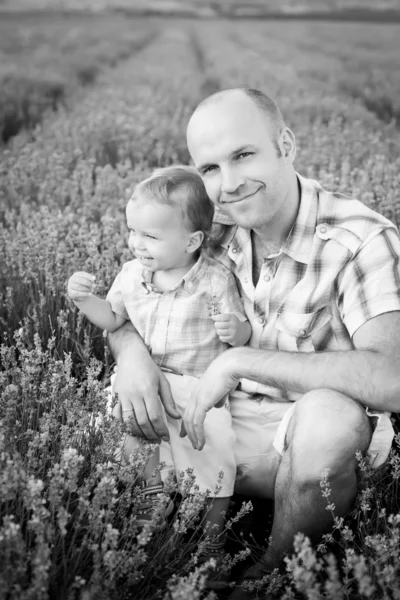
{"type": "Point", "coordinates": [215, 8]}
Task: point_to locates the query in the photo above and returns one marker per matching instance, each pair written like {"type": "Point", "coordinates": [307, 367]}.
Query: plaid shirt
{"type": "Point", "coordinates": [338, 268]}
{"type": "Point", "coordinates": [175, 325]}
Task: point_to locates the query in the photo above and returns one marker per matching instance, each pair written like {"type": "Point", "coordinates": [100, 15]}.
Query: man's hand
{"type": "Point", "coordinates": [213, 387]}
{"type": "Point", "coordinates": [231, 330]}
{"type": "Point", "coordinates": [80, 286]}
{"type": "Point", "coordinates": [143, 394]}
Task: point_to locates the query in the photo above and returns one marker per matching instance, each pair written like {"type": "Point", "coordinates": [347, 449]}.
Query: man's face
{"type": "Point", "coordinates": [232, 146]}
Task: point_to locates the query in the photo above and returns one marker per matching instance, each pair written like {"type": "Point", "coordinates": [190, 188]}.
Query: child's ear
{"type": "Point", "coordinates": [194, 241]}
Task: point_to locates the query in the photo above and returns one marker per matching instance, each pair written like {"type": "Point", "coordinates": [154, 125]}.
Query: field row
{"type": "Point", "coordinates": [43, 62]}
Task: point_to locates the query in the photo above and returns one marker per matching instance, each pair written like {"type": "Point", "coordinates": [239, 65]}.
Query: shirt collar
{"type": "Point", "coordinates": [300, 239]}
{"type": "Point", "coordinates": [187, 281]}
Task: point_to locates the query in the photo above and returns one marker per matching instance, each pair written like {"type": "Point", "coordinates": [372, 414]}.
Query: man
{"type": "Point", "coordinates": [320, 279]}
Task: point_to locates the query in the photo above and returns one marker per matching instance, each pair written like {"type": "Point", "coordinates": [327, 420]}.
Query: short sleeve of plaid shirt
{"type": "Point", "coordinates": [370, 283]}
{"type": "Point", "coordinates": [230, 301]}
{"type": "Point", "coordinates": [115, 297]}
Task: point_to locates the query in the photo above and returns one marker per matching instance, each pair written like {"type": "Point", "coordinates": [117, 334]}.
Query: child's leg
{"type": "Point", "coordinates": [214, 516]}
{"type": "Point", "coordinates": [154, 506]}
{"type": "Point", "coordinates": [130, 443]}
{"type": "Point", "coordinates": [151, 474]}
{"type": "Point", "coordinates": [154, 503]}
{"type": "Point", "coordinates": [213, 523]}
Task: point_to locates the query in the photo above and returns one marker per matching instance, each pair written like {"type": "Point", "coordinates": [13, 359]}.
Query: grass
{"type": "Point", "coordinates": [67, 508]}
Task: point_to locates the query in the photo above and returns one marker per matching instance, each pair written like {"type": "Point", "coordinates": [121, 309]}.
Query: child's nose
{"type": "Point", "coordinates": [140, 242]}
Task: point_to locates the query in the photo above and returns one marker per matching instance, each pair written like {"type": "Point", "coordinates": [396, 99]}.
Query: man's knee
{"type": "Point", "coordinates": [325, 432]}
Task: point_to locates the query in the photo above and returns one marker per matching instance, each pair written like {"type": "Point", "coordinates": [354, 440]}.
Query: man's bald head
{"type": "Point", "coordinates": [244, 153]}
{"type": "Point", "coordinates": [265, 103]}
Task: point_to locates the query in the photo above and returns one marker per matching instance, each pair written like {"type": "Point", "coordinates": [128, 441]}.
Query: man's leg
{"type": "Point", "coordinates": [325, 431]}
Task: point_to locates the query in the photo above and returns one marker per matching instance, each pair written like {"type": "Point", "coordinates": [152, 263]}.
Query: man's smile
{"type": "Point", "coordinates": [241, 199]}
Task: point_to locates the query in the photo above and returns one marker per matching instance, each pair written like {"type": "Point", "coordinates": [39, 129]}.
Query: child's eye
{"type": "Point", "coordinates": [151, 236]}
{"type": "Point", "coordinates": [244, 154]}
{"type": "Point", "coordinates": [209, 169]}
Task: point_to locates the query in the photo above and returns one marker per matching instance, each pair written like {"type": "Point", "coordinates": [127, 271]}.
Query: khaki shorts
{"type": "Point", "coordinates": [261, 423]}
{"type": "Point", "coordinates": [254, 432]}
{"type": "Point", "coordinates": [218, 453]}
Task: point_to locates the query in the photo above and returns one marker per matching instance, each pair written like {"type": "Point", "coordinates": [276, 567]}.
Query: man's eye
{"type": "Point", "coordinates": [244, 154]}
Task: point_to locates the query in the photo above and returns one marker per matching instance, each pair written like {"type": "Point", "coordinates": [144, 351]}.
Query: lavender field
{"type": "Point", "coordinates": [89, 105]}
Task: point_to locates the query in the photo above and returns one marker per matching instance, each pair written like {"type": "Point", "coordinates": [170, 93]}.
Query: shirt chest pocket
{"type": "Point", "coordinates": [302, 331]}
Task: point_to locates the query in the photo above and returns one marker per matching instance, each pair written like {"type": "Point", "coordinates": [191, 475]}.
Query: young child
{"type": "Point", "coordinates": [187, 309]}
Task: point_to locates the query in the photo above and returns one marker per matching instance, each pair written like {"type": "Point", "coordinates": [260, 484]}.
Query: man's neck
{"type": "Point", "coordinates": [273, 235]}
{"type": "Point", "coordinates": [261, 251]}
{"type": "Point", "coordinates": [267, 241]}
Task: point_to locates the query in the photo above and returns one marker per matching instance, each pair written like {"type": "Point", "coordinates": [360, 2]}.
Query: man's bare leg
{"type": "Point", "coordinates": [325, 432]}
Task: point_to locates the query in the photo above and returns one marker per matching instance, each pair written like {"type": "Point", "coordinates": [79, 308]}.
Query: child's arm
{"type": "Point", "coordinates": [230, 320]}
{"type": "Point", "coordinates": [232, 330]}
{"type": "Point", "coordinates": [98, 311]}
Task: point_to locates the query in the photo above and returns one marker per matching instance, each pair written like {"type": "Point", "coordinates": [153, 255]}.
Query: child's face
{"type": "Point", "coordinates": [157, 236]}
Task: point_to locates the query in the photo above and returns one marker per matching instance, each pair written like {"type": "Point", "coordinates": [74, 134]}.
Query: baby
{"type": "Point", "coordinates": [187, 309]}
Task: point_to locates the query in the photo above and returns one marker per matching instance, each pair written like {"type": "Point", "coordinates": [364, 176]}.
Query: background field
{"type": "Point", "coordinates": [343, 9]}
{"type": "Point", "coordinates": [89, 104]}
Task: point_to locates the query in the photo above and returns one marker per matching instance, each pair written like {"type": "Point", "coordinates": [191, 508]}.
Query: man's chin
{"type": "Point", "coordinates": [244, 221]}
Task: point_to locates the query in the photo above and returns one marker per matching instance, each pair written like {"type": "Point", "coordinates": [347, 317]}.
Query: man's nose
{"type": "Point", "coordinates": [230, 181]}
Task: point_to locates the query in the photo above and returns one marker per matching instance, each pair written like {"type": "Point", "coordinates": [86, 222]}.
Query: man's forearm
{"type": "Point", "coordinates": [126, 343]}
{"type": "Point", "coordinates": [364, 375]}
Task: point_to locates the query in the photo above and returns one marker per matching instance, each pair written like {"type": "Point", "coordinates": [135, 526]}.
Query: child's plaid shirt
{"type": "Point", "coordinates": [175, 325]}
{"type": "Point", "coordinates": [338, 268]}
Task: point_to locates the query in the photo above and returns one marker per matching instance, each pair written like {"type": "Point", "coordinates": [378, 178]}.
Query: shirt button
{"type": "Point", "coordinates": [323, 229]}
{"type": "Point", "coordinates": [246, 280]}
{"type": "Point", "coordinates": [234, 250]}
{"type": "Point", "coordinates": [267, 278]}
{"type": "Point", "coordinates": [302, 332]}
{"type": "Point", "coordinates": [261, 320]}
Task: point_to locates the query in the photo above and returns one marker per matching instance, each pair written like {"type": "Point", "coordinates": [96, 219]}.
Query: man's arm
{"type": "Point", "coordinates": [370, 373]}
{"type": "Point", "coordinates": [141, 386]}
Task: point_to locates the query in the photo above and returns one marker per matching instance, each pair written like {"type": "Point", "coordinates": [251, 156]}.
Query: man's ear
{"type": "Point", "coordinates": [287, 144]}
{"type": "Point", "coordinates": [194, 241]}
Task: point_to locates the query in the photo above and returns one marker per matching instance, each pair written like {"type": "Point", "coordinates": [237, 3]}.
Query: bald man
{"type": "Point", "coordinates": [320, 280]}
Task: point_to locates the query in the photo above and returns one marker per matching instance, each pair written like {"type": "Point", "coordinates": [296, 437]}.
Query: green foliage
{"type": "Point", "coordinates": [67, 506]}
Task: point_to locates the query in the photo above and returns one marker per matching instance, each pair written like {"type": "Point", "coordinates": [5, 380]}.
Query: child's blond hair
{"type": "Point", "coordinates": [179, 186]}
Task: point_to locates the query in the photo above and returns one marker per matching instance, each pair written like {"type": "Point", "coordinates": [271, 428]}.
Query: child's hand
{"type": "Point", "coordinates": [80, 286]}
{"type": "Point", "coordinates": [231, 330]}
